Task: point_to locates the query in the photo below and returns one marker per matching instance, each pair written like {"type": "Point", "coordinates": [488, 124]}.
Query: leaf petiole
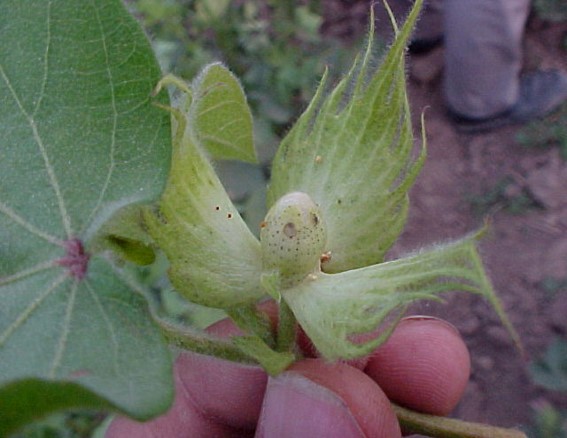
{"type": "Point", "coordinates": [287, 328]}
{"type": "Point", "coordinates": [200, 342]}
{"type": "Point", "coordinates": [253, 322]}
{"type": "Point", "coordinates": [441, 427]}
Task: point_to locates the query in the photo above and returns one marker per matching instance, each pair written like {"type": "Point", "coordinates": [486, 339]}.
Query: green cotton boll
{"type": "Point", "coordinates": [293, 238]}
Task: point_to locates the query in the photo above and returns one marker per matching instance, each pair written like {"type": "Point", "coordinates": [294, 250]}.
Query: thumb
{"type": "Point", "coordinates": [314, 398]}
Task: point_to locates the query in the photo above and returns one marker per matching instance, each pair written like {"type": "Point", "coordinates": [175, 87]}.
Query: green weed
{"type": "Point", "coordinates": [498, 197]}
{"type": "Point", "coordinates": [548, 422]}
{"type": "Point", "coordinates": [551, 286]}
{"type": "Point", "coordinates": [546, 133]}
{"type": "Point", "coordinates": [550, 372]}
{"type": "Point", "coordinates": [551, 10]}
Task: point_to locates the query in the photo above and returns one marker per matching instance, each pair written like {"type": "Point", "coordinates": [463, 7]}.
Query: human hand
{"type": "Point", "coordinates": [424, 365]}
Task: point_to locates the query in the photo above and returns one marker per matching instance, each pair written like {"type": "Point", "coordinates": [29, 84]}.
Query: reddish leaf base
{"type": "Point", "coordinates": [76, 260]}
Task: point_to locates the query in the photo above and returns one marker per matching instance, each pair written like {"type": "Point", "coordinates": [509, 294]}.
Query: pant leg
{"type": "Point", "coordinates": [483, 55]}
{"type": "Point", "coordinates": [430, 23]}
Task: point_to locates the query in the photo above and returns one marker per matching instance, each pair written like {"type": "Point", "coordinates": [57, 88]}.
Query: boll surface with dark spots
{"type": "Point", "coordinates": [293, 238]}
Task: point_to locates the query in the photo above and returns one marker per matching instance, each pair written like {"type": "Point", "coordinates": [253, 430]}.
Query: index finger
{"type": "Point", "coordinates": [424, 365]}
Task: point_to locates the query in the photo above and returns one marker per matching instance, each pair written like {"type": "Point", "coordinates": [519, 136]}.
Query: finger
{"type": "Point", "coordinates": [213, 398]}
{"type": "Point", "coordinates": [182, 420]}
{"type": "Point", "coordinates": [424, 365]}
{"type": "Point", "coordinates": [317, 398]}
{"type": "Point", "coordinates": [227, 392]}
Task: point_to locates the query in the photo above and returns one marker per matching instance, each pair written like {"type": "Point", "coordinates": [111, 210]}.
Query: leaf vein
{"type": "Point", "coordinates": [46, 60]}
{"type": "Point", "coordinates": [29, 227]}
{"type": "Point", "coordinates": [47, 163]}
{"type": "Point", "coordinates": [108, 322]}
{"type": "Point", "coordinates": [220, 140]}
{"type": "Point", "coordinates": [66, 329]}
{"type": "Point", "coordinates": [32, 307]}
{"type": "Point", "coordinates": [26, 273]}
{"type": "Point", "coordinates": [111, 84]}
{"type": "Point", "coordinates": [219, 105]}
{"type": "Point", "coordinates": [229, 124]}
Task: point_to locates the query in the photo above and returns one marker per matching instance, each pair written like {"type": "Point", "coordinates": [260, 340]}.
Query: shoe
{"type": "Point", "coordinates": [541, 92]}
{"type": "Point", "coordinates": [422, 46]}
{"type": "Point", "coordinates": [428, 33]}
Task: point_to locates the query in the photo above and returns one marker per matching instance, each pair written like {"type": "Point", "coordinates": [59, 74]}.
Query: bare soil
{"type": "Point", "coordinates": [524, 250]}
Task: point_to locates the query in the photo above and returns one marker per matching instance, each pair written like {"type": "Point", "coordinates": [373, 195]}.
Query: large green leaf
{"type": "Point", "coordinates": [352, 152]}
{"type": "Point", "coordinates": [79, 139]}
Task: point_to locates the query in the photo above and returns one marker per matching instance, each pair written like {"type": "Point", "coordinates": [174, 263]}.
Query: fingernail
{"type": "Point", "coordinates": [296, 406]}
{"type": "Point", "coordinates": [447, 324]}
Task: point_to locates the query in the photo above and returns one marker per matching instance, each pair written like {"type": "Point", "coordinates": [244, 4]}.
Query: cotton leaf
{"type": "Point", "coordinates": [79, 139]}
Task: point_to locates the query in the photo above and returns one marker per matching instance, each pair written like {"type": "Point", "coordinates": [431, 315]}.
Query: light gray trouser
{"type": "Point", "coordinates": [483, 51]}
{"type": "Point", "coordinates": [483, 54]}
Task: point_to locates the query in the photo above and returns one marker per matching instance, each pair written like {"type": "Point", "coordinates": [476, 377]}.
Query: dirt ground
{"type": "Point", "coordinates": [523, 251]}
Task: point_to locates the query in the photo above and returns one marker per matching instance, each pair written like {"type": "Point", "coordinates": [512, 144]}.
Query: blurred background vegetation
{"type": "Point", "coordinates": [274, 48]}
{"type": "Point", "coordinates": [550, 372]}
{"type": "Point", "coordinates": [552, 131]}
{"type": "Point", "coordinates": [278, 51]}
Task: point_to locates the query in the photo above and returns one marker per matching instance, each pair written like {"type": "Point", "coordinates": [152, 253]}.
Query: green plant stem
{"type": "Point", "coordinates": [200, 342]}
{"type": "Point", "coordinates": [441, 427]}
{"type": "Point", "coordinates": [253, 322]}
{"type": "Point", "coordinates": [286, 328]}
{"type": "Point", "coordinates": [273, 362]}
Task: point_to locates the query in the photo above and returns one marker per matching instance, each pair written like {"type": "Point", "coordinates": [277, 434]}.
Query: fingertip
{"type": "Point", "coordinates": [295, 406]}
{"type": "Point", "coordinates": [424, 365]}
{"type": "Point", "coordinates": [317, 398]}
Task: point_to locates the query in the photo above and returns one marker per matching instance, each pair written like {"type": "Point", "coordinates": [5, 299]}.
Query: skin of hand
{"type": "Point", "coordinates": [424, 365]}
